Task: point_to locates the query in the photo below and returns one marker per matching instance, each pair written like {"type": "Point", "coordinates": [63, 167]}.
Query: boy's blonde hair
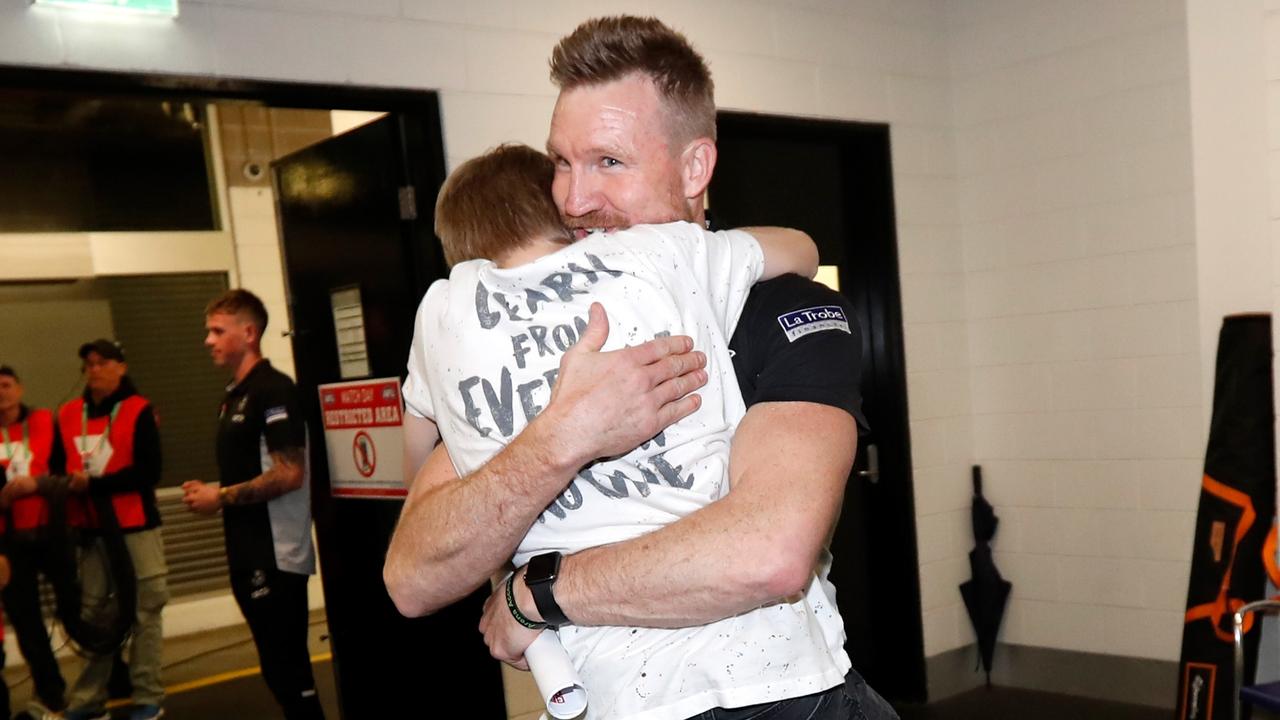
{"type": "Point", "coordinates": [496, 203]}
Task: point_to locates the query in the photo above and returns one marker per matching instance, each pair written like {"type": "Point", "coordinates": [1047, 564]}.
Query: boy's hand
{"type": "Point", "coordinates": [607, 403]}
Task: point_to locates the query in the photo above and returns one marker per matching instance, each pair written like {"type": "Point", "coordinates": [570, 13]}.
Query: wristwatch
{"type": "Point", "coordinates": [540, 575]}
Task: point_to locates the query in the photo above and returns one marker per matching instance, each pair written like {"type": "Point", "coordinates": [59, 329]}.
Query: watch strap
{"type": "Point", "coordinates": [545, 598]}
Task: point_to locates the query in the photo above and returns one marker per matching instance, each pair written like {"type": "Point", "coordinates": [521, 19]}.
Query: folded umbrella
{"type": "Point", "coordinates": [986, 592]}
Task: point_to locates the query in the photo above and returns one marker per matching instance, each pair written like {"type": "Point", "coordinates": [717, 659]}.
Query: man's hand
{"type": "Point", "coordinates": [17, 487]}
{"type": "Point", "coordinates": [606, 403]}
{"type": "Point", "coordinates": [506, 638]}
{"type": "Point", "coordinates": [79, 482]}
{"type": "Point", "coordinates": [201, 497]}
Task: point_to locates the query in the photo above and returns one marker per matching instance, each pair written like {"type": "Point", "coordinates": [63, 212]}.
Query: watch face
{"type": "Point", "coordinates": [543, 568]}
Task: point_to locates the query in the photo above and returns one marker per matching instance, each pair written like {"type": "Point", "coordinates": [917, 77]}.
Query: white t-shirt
{"type": "Point", "coordinates": [487, 346]}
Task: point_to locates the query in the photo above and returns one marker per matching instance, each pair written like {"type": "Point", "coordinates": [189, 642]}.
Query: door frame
{"type": "Point", "coordinates": [276, 93]}
{"type": "Point", "coordinates": [869, 275]}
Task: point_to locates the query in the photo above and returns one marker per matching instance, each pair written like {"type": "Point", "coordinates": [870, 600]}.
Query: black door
{"type": "Point", "coordinates": [340, 206]}
{"type": "Point", "coordinates": [834, 180]}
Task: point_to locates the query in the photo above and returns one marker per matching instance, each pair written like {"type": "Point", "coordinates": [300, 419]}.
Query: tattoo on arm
{"type": "Point", "coordinates": [283, 476]}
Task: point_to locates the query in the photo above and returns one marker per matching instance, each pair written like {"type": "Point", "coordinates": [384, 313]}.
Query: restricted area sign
{"type": "Point", "coordinates": [364, 438]}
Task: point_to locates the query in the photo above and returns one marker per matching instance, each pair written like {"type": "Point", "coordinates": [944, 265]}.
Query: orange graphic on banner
{"type": "Point", "coordinates": [1269, 557]}
{"type": "Point", "coordinates": [1223, 605]}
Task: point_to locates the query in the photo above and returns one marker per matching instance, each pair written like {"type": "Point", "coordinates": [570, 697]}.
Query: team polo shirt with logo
{"type": "Point", "coordinates": [797, 342]}
{"type": "Point", "coordinates": [260, 415]}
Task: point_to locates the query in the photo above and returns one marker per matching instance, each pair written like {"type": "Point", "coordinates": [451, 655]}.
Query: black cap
{"type": "Point", "coordinates": [108, 349]}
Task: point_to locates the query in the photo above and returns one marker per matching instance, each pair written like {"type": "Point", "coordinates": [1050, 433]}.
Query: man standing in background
{"type": "Point", "coordinates": [109, 447]}
{"type": "Point", "coordinates": [265, 498]}
{"type": "Point", "coordinates": [28, 436]}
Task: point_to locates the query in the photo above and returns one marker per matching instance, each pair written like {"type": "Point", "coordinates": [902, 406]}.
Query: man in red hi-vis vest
{"type": "Point", "coordinates": [28, 439]}
{"type": "Point", "coordinates": [109, 446]}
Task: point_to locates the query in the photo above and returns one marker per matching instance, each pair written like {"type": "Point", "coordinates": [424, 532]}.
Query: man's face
{"type": "Point", "coordinates": [102, 375]}
{"type": "Point", "coordinates": [10, 392]}
{"type": "Point", "coordinates": [615, 166]}
{"type": "Point", "coordinates": [226, 337]}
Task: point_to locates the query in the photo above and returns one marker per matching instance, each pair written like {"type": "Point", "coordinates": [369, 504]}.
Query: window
{"type": "Point", "coordinates": [83, 164]}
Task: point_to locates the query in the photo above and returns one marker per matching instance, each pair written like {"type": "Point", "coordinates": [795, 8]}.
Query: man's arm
{"type": "Point", "coordinates": [454, 533]}
{"type": "Point", "coordinates": [790, 460]}
{"type": "Point", "coordinates": [285, 475]}
{"type": "Point", "coordinates": [788, 467]}
{"type": "Point", "coordinates": [789, 463]}
{"type": "Point", "coordinates": [785, 251]}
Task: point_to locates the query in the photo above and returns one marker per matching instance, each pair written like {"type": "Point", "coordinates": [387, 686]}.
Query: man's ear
{"type": "Point", "coordinates": [697, 163]}
{"type": "Point", "coordinates": [252, 333]}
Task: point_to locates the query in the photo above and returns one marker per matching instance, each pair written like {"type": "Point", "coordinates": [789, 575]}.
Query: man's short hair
{"type": "Point", "coordinates": [497, 202]}
{"type": "Point", "coordinates": [8, 371]}
{"type": "Point", "coordinates": [242, 303]}
{"type": "Point", "coordinates": [605, 49]}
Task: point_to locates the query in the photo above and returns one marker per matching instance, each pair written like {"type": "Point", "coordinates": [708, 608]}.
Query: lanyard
{"type": "Point", "coordinates": [84, 429]}
{"type": "Point", "coordinates": [26, 442]}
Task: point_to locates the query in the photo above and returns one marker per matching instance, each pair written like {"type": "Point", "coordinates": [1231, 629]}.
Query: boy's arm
{"type": "Point", "coordinates": [420, 436]}
{"type": "Point", "coordinates": [786, 250]}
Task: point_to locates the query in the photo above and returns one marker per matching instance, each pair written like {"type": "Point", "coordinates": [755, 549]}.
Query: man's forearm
{"type": "Point", "coordinates": [756, 545]}
{"type": "Point", "coordinates": [454, 533]}
{"type": "Point", "coordinates": [284, 475]}
{"type": "Point", "coordinates": [678, 576]}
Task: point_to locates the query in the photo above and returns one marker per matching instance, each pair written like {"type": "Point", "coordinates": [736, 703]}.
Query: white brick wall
{"type": "Point", "coordinates": [253, 222]}
{"type": "Point", "coordinates": [1271, 27]}
{"type": "Point", "coordinates": [1074, 167]}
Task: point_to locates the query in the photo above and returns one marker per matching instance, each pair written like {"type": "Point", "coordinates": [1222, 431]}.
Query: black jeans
{"type": "Point", "coordinates": [853, 700]}
{"type": "Point", "coordinates": [22, 605]}
{"type": "Point", "coordinates": [274, 604]}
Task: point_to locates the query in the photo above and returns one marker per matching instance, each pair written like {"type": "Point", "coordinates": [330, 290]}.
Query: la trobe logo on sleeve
{"type": "Point", "coordinates": [798, 323]}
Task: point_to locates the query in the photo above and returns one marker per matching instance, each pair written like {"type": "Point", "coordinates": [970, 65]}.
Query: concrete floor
{"type": "Point", "coordinates": [208, 676]}
{"type": "Point", "coordinates": [213, 676]}
{"type": "Point", "coordinates": [1014, 704]}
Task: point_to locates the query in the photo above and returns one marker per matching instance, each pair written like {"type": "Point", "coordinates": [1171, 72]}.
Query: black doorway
{"type": "Point", "coordinates": [834, 180]}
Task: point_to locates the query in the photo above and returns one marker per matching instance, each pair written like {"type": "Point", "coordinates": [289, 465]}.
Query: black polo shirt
{"type": "Point", "coordinates": [259, 415]}
{"type": "Point", "coordinates": [798, 340]}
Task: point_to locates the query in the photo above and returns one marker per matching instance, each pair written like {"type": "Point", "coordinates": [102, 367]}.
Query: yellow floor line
{"type": "Point", "coordinates": [215, 680]}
